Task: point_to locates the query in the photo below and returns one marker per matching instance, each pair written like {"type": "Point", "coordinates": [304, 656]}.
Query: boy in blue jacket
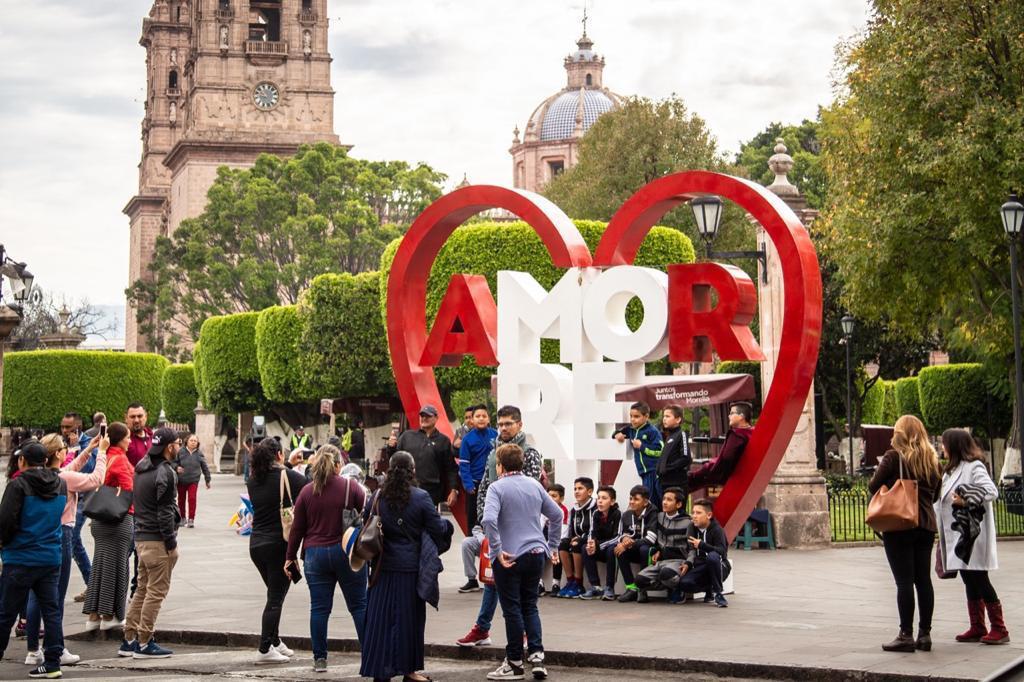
{"type": "Point", "coordinates": [31, 535]}
{"type": "Point", "coordinates": [473, 452]}
{"type": "Point", "coordinates": [646, 444]}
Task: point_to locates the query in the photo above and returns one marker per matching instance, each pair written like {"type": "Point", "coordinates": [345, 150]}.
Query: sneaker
{"type": "Point", "coordinates": [629, 595]}
{"type": "Point", "coordinates": [641, 597]}
{"type": "Point", "coordinates": [540, 590]}
{"type": "Point", "coordinates": [35, 658]}
{"type": "Point", "coordinates": [283, 649]}
{"type": "Point", "coordinates": [609, 594]}
{"type": "Point", "coordinates": [81, 597]}
{"type": "Point", "coordinates": [592, 593]}
{"type": "Point", "coordinates": [271, 656]}
{"type": "Point", "coordinates": [536, 661]}
{"type": "Point", "coordinates": [191, 523]}
{"type": "Point", "coordinates": [476, 637]}
{"type": "Point", "coordinates": [507, 671]}
{"type": "Point", "coordinates": [471, 586]}
{"type": "Point", "coordinates": [555, 589]}
{"type": "Point", "coordinates": [675, 596]}
{"type": "Point", "coordinates": [92, 624]}
{"type": "Point", "coordinates": [567, 591]}
{"type": "Point", "coordinates": [111, 623]}
{"type": "Point", "coordinates": [68, 658]}
{"type": "Point", "coordinates": [42, 673]}
{"type": "Point", "coordinates": [152, 650]}
{"type": "Point", "coordinates": [720, 601]}
{"type": "Point", "coordinates": [320, 665]}
{"type": "Point", "coordinates": [128, 648]}
{"type": "Point", "coordinates": [708, 597]}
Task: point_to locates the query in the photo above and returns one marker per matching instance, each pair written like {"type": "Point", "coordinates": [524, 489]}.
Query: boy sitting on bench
{"type": "Point", "coordinates": [673, 528]}
{"type": "Point", "coordinates": [707, 564]}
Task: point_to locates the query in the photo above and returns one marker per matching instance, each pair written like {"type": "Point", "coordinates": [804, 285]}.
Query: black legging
{"type": "Point", "coordinates": [978, 586]}
{"type": "Point", "coordinates": [269, 561]}
{"type": "Point", "coordinates": [910, 558]}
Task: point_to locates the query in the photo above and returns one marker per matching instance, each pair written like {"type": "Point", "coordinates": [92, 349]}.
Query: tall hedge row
{"type": "Point", "coordinates": [873, 408]}
{"type": "Point", "coordinates": [485, 248]}
{"type": "Point", "coordinates": [230, 372]}
{"type": "Point", "coordinates": [40, 386]}
{"type": "Point", "coordinates": [277, 354]}
{"type": "Point", "coordinates": [890, 407]}
{"type": "Point", "coordinates": [952, 396]}
{"type": "Point", "coordinates": [178, 393]}
{"type": "Point", "coordinates": [908, 397]}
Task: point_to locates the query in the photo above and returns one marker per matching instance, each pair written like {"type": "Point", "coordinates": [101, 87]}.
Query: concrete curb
{"type": "Point", "coordinates": [569, 659]}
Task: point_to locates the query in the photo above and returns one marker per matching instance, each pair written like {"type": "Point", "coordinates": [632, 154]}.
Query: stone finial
{"type": "Point", "coordinates": [464, 183]}
{"type": "Point", "coordinates": [515, 135]}
{"type": "Point", "coordinates": [64, 316]}
{"type": "Point", "coordinates": [781, 163]}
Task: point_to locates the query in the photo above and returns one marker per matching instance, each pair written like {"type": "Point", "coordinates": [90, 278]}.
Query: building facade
{"type": "Point", "coordinates": [550, 143]}
{"type": "Point", "coordinates": [226, 80]}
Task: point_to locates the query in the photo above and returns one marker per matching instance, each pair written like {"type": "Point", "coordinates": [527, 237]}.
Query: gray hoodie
{"type": "Point", "coordinates": [194, 464]}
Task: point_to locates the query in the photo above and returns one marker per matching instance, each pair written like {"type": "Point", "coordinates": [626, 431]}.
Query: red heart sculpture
{"type": "Point", "coordinates": [801, 328]}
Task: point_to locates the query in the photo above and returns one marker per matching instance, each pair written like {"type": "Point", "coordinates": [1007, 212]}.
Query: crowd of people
{"type": "Point", "coordinates": [138, 486]}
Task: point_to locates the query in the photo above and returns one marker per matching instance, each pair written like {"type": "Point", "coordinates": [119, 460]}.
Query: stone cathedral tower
{"type": "Point", "coordinates": [226, 80]}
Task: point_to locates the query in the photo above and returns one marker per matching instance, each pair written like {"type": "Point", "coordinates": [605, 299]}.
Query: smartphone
{"type": "Point", "coordinates": [103, 430]}
{"type": "Point", "coordinates": [293, 571]}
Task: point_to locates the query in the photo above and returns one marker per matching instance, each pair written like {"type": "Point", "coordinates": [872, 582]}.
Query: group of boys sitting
{"type": "Point", "coordinates": [677, 552]}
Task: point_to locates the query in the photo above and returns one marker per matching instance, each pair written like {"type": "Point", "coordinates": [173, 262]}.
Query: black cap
{"type": "Point", "coordinates": [428, 410]}
{"type": "Point", "coordinates": [162, 437]}
{"type": "Point", "coordinates": [34, 452]}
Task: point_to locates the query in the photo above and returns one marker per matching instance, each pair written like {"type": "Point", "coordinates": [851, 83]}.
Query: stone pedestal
{"type": "Point", "coordinates": [206, 432]}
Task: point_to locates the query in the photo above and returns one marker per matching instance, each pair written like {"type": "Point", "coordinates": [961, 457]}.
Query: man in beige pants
{"type": "Point", "coordinates": [156, 542]}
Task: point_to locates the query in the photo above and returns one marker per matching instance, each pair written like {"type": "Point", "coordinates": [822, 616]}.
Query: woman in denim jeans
{"type": "Point", "coordinates": [319, 526]}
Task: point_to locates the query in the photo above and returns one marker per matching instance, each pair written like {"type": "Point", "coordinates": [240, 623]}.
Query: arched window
{"type": "Point", "coordinates": [590, 79]}
{"type": "Point", "coordinates": [224, 4]}
{"type": "Point", "coordinates": [172, 80]}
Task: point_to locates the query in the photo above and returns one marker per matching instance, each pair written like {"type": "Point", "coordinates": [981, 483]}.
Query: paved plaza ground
{"type": "Point", "coordinates": [795, 615]}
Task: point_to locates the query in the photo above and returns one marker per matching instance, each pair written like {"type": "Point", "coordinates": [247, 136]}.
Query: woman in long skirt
{"type": "Point", "coordinates": [108, 583]}
{"type": "Point", "coordinates": [396, 617]}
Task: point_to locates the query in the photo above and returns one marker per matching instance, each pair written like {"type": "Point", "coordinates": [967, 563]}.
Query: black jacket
{"type": "Point", "coordinates": [433, 457]}
{"type": "Point", "coordinates": [604, 528]}
{"type": "Point", "coordinates": [712, 539]}
{"type": "Point", "coordinates": [641, 527]}
{"type": "Point", "coordinates": [674, 464]}
{"type": "Point", "coordinates": [156, 511]}
{"type": "Point", "coordinates": [579, 521]}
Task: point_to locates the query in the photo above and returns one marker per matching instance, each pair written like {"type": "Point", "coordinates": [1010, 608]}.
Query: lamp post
{"type": "Point", "coordinates": [1012, 213]}
{"type": "Point", "coordinates": [847, 323]}
{"type": "Point", "coordinates": [707, 211]}
{"type": "Point", "coordinates": [20, 281]}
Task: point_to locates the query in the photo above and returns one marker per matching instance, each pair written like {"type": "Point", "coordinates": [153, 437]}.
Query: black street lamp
{"type": "Point", "coordinates": [847, 323]}
{"type": "Point", "coordinates": [20, 280]}
{"type": "Point", "coordinates": [1012, 213]}
{"type": "Point", "coordinates": [707, 211]}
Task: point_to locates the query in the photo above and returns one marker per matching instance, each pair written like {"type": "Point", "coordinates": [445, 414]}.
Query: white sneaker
{"type": "Point", "coordinates": [272, 656]}
{"type": "Point", "coordinates": [68, 658]}
{"type": "Point", "coordinates": [281, 647]}
{"type": "Point", "coordinates": [111, 623]}
{"type": "Point", "coordinates": [536, 661]}
{"type": "Point", "coordinates": [92, 624]}
{"type": "Point", "coordinates": [35, 657]}
{"type": "Point", "coordinates": [507, 671]}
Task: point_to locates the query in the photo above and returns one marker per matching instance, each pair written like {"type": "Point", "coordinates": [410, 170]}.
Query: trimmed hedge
{"type": "Point", "coordinates": [200, 374]}
{"type": "Point", "coordinates": [872, 411]}
{"type": "Point", "coordinates": [908, 397]}
{"type": "Point", "coordinates": [40, 386]}
{"type": "Point", "coordinates": [952, 396]}
{"type": "Point", "coordinates": [278, 330]}
{"type": "Point", "coordinates": [484, 248]}
{"type": "Point", "coordinates": [750, 367]}
{"type": "Point", "coordinates": [230, 372]}
{"type": "Point", "coordinates": [890, 408]}
{"type": "Point", "coordinates": [343, 347]}
{"type": "Point", "coordinates": [178, 393]}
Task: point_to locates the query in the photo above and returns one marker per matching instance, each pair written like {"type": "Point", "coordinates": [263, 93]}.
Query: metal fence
{"type": "Point", "coordinates": [847, 509]}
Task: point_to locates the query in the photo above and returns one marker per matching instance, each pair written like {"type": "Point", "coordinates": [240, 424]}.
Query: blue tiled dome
{"type": "Point", "coordinates": [560, 118]}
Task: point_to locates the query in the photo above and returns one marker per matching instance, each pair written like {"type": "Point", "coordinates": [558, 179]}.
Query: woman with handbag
{"type": "Point", "coordinates": [396, 615]}
{"type": "Point", "coordinates": [319, 526]}
{"type": "Point", "coordinates": [272, 490]}
{"type": "Point", "coordinates": [967, 533]}
{"type": "Point", "coordinates": [912, 458]}
{"type": "Point", "coordinates": [107, 592]}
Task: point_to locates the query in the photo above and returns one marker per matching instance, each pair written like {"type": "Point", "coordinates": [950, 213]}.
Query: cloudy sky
{"type": "Point", "coordinates": [439, 81]}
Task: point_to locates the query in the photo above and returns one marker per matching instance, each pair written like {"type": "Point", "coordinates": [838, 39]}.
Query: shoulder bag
{"type": "Point", "coordinates": [287, 513]}
{"type": "Point", "coordinates": [896, 508]}
{"type": "Point", "coordinates": [108, 504]}
{"type": "Point", "coordinates": [370, 543]}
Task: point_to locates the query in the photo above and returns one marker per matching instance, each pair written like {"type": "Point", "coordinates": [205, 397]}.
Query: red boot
{"type": "Point", "coordinates": [998, 634]}
{"type": "Point", "coordinates": [976, 612]}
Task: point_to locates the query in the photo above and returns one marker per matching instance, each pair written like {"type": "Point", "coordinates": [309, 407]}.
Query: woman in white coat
{"type": "Point", "coordinates": [965, 503]}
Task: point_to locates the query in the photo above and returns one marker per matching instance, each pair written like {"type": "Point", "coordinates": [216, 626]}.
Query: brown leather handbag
{"type": "Point", "coordinates": [894, 508]}
{"type": "Point", "coordinates": [370, 543]}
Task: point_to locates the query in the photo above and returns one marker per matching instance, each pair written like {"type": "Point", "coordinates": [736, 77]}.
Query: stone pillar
{"type": "Point", "coordinates": [206, 432]}
{"type": "Point", "coordinates": [796, 494]}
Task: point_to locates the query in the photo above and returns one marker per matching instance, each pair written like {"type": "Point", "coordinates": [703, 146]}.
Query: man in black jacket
{"type": "Point", "coordinates": [156, 542]}
{"type": "Point", "coordinates": [674, 464]}
{"type": "Point", "coordinates": [707, 564]}
{"type": "Point", "coordinates": [432, 452]}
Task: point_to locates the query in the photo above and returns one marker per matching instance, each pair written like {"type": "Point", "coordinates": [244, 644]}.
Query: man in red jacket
{"type": "Point", "coordinates": [717, 470]}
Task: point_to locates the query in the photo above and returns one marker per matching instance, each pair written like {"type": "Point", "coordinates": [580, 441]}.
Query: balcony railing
{"type": "Point", "coordinates": [224, 14]}
{"type": "Point", "coordinates": [307, 16]}
{"type": "Point", "coordinates": [266, 47]}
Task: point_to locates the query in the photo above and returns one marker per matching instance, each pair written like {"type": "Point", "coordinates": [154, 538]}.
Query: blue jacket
{"type": "Point", "coordinates": [476, 445]}
{"type": "Point", "coordinates": [89, 466]}
{"type": "Point", "coordinates": [402, 540]}
{"type": "Point", "coordinates": [646, 458]}
{"type": "Point", "coordinates": [30, 529]}
{"type": "Point", "coordinates": [427, 587]}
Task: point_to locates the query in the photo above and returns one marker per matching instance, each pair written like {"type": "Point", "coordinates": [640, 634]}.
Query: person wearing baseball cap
{"type": "Point", "coordinates": [432, 451]}
{"type": "Point", "coordinates": [30, 534]}
{"type": "Point", "coordinates": [156, 542]}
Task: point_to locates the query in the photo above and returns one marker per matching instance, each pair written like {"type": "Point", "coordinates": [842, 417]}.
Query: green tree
{"type": "Point", "coordinates": [802, 144]}
{"type": "Point", "coordinates": [919, 149]}
{"type": "Point", "coordinates": [267, 231]}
